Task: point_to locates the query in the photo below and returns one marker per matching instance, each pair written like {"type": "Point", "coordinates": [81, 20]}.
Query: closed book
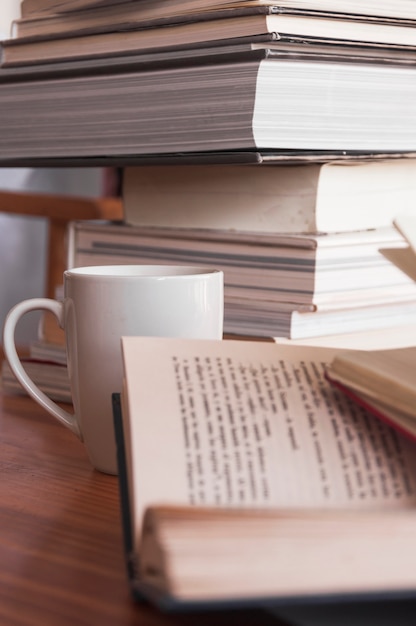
{"type": "Point", "coordinates": [277, 103]}
{"type": "Point", "coordinates": [281, 319]}
{"type": "Point", "coordinates": [131, 39]}
{"type": "Point", "coordinates": [304, 198]}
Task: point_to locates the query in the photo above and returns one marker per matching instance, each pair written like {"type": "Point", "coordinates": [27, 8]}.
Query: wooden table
{"type": "Point", "coordinates": [61, 551]}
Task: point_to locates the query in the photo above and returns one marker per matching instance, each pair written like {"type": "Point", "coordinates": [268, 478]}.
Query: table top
{"type": "Point", "coordinates": [61, 547]}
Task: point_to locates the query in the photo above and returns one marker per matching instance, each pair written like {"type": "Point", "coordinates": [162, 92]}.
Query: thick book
{"type": "Point", "coordinates": [400, 9]}
{"type": "Point", "coordinates": [381, 380]}
{"type": "Point", "coordinates": [327, 271]}
{"type": "Point", "coordinates": [270, 104]}
{"type": "Point", "coordinates": [246, 478]}
{"type": "Point", "coordinates": [305, 198]}
{"type": "Point", "coordinates": [133, 38]}
{"type": "Point", "coordinates": [274, 284]}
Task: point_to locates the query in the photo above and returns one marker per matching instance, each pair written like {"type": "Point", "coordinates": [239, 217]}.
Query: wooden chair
{"type": "Point", "coordinates": [59, 210]}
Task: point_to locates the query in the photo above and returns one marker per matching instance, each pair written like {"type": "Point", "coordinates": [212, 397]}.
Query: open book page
{"type": "Point", "coordinates": [252, 424]}
{"type": "Point", "coordinates": [387, 376]}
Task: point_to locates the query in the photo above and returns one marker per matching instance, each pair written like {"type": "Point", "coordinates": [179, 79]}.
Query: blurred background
{"type": "Point", "coordinates": [23, 240]}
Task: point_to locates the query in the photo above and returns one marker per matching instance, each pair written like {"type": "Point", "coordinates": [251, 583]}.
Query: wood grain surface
{"type": "Point", "coordinates": [61, 550]}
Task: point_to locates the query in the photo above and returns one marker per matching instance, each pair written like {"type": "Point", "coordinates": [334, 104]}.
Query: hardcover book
{"type": "Point", "coordinates": [278, 102]}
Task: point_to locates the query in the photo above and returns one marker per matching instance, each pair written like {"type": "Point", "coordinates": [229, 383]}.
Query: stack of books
{"type": "Point", "coordinates": [306, 249]}
{"type": "Point", "coordinates": [275, 142]}
{"type": "Point", "coordinates": [134, 78]}
{"type": "Point", "coordinates": [279, 144]}
{"type": "Point", "coordinates": [46, 365]}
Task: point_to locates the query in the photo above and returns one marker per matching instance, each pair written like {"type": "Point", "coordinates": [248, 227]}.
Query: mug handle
{"type": "Point", "coordinates": [34, 304]}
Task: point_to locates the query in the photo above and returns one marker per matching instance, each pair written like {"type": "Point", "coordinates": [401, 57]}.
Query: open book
{"type": "Point", "coordinates": [246, 477]}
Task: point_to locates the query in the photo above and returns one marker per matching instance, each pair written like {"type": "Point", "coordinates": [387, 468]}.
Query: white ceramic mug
{"type": "Point", "coordinates": [100, 305]}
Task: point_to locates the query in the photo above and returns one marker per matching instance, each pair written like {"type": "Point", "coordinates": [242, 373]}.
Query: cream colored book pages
{"type": "Point", "coordinates": [404, 9]}
{"type": "Point", "coordinates": [209, 555]}
{"type": "Point", "coordinates": [369, 194]}
{"type": "Point", "coordinates": [251, 424]}
{"type": "Point", "coordinates": [401, 336]}
{"type": "Point", "coordinates": [351, 30]}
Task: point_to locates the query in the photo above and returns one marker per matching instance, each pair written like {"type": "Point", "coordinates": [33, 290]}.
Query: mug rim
{"type": "Point", "coordinates": [143, 271]}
